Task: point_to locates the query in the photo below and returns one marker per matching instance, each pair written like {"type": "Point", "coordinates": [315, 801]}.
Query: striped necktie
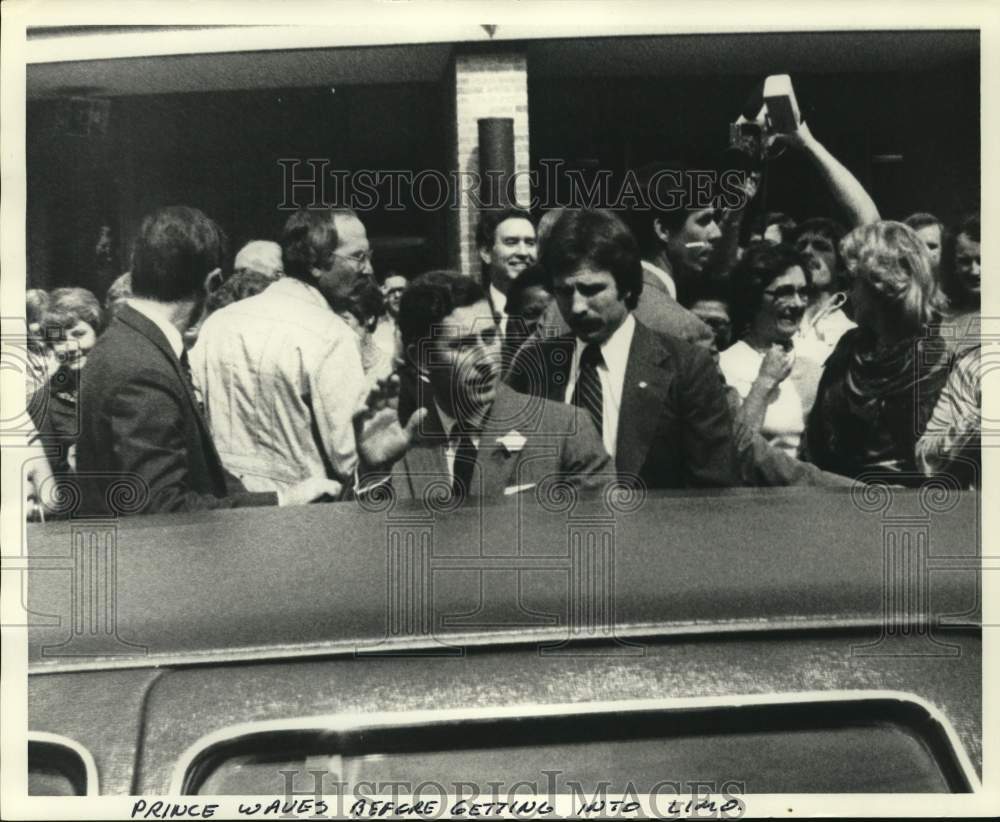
{"type": "Point", "coordinates": [588, 394]}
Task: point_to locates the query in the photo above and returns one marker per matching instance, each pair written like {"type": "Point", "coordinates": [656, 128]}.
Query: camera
{"type": "Point", "coordinates": [771, 109]}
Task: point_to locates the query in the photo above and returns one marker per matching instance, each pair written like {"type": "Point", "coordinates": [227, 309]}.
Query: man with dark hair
{"type": "Point", "coordinates": [710, 303]}
{"type": "Point", "coordinates": [506, 242]}
{"type": "Point", "coordinates": [138, 411]}
{"type": "Point", "coordinates": [676, 241]}
{"type": "Point", "coordinates": [528, 299]}
{"type": "Point", "coordinates": [931, 230]}
{"type": "Point", "coordinates": [961, 265]}
{"type": "Point", "coordinates": [824, 323]}
{"type": "Point", "coordinates": [478, 437]}
{"type": "Point", "coordinates": [773, 227]}
{"type": "Point", "coordinates": [280, 373]}
{"type": "Point", "coordinates": [657, 401]}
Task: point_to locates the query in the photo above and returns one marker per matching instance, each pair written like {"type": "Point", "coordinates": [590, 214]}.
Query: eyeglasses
{"type": "Point", "coordinates": [783, 293]}
{"type": "Point", "coordinates": [359, 259]}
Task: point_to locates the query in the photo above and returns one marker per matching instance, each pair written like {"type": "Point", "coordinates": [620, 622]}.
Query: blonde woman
{"type": "Point", "coordinates": [881, 383]}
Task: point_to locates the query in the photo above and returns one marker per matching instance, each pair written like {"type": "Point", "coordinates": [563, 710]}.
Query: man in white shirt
{"type": "Point", "coordinates": [280, 373]}
{"type": "Point", "coordinates": [658, 402]}
{"type": "Point", "coordinates": [506, 242]}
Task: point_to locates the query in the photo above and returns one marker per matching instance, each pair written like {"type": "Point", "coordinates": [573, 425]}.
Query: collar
{"type": "Point", "coordinates": [448, 424]}
{"type": "Point", "coordinates": [499, 300]}
{"type": "Point", "coordinates": [663, 276]}
{"type": "Point", "coordinates": [299, 289]}
{"type": "Point", "coordinates": [614, 349]}
{"type": "Point", "coordinates": [148, 309]}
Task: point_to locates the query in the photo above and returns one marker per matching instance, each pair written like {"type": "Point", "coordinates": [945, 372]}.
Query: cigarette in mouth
{"type": "Point", "coordinates": [696, 245]}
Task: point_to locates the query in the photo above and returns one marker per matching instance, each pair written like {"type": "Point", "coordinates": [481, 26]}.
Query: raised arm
{"type": "Point", "coordinates": [858, 206]}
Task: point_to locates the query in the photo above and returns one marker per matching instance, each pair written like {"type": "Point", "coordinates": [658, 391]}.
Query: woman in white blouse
{"type": "Point", "coordinates": [770, 289]}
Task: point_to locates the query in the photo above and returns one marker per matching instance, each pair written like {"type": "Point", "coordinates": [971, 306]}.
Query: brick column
{"type": "Point", "coordinates": [486, 85]}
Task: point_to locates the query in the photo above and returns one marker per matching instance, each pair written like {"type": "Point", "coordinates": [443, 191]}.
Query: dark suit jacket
{"type": "Point", "coordinates": [138, 415]}
{"type": "Point", "coordinates": [660, 312]}
{"type": "Point", "coordinates": [675, 428]}
{"type": "Point", "coordinates": [525, 442]}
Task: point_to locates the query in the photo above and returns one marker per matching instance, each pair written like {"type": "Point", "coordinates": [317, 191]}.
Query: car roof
{"type": "Point", "coordinates": [329, 579]}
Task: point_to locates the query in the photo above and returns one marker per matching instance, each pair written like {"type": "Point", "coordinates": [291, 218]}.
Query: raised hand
{"type": "Point", "coordinates": [379, 438]}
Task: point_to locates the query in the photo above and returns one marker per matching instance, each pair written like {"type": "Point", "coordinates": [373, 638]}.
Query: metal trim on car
{"type": "Point", "coordinates": [86, 757]}
{"type": "Point", "coordinates": [407, 719]}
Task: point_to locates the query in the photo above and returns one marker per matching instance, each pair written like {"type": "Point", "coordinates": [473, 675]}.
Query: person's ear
{"type": "Point", "coordinates": [213, 280]}
{"type": "Point", "coordinates": [661, 231]}
{"type": "Point", "coordinates": [486, 255]}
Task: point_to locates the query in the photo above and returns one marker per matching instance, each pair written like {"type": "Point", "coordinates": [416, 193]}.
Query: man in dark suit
{"type": "Point", "coordinates": [505, 239]}
{"type": "Point", "coordinates": [659, 402]}
{"type": "Point", "coordinates": [471, 435]}
{"type": "Point", "coordinates": [138, 411]}
{"type": "Point", "coordinates": [677, 245]}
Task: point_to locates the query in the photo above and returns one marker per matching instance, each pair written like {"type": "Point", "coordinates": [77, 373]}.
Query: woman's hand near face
{"type": "Point", "coordinates": [776, 366]}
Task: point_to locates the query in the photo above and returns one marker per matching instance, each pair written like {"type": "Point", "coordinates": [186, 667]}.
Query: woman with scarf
{"type": "Point", "coordinates": [881, 382]}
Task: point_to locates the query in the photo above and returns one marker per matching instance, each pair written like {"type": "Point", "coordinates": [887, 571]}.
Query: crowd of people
{"type": "Point", "coordinates": [647, 347]}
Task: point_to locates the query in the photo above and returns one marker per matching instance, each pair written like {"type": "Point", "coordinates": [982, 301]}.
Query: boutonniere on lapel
{"type": "Point", "coordinates": [512, 442]}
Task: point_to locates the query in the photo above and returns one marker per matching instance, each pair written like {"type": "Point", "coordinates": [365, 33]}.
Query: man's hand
{"type": "Point", "coordinates": [379, 438]}
{"type": "Point", "coordinates": [309, 490]}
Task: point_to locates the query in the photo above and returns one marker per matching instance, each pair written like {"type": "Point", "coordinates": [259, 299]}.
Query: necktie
{"type": "Point", "coordinates": [588, 394]}
{"type": "Point", "coordinates": [465, 462]}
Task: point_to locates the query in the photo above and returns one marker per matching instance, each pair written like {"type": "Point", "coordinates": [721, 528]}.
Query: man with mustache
{"type": "Point", "coordinates": [471, 436]}
{"type": "Point", "coordinates": [506, 242]}
{"type": "Point", "coordinates": [658, 401]}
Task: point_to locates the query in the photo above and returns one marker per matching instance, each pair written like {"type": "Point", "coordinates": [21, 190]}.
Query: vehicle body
{"type": "Point", "coordinates": [501, 641]}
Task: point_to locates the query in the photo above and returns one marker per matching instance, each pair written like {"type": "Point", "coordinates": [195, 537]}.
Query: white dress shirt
{"type": "Point", "coordinates": [499, 301]}
{"type": "Point", "coordinates": [448, 422]}
{"type": "Point", "coordinates": [614, 351]}
{"type": "Point", "coordinates": [663, 276]}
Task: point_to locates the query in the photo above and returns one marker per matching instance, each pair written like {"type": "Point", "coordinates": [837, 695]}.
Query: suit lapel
{"type": "Point", "coordinates": [147, 328]}
{"type": "Point", "coordinates": [650, 280]}
{"type": "Point", "coordinates": [425, 463]}
{"type": "Point", "coordinates": [644, 395]}
{"type": "Point", "coordinates": [558, 363]}
{"type": "Point", "coordinates": [495, 462]}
